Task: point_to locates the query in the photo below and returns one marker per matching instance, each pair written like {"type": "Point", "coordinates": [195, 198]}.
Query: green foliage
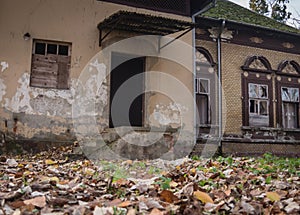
{"type": "Point", "coordinates": [276, 9]}
{"type": "Point", "coordinates": [259, 6]}
{"type": "Point", "coordinates": [164, 182]}
{"type": "Point", "coordinates": [272, 164]}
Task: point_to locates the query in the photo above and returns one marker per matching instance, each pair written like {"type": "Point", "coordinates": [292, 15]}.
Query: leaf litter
{"type": "Point", "coordinates": [52, 183]}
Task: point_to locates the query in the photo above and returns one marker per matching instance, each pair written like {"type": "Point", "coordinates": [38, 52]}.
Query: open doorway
{"type": "Point", "coordinates": [123, 68]}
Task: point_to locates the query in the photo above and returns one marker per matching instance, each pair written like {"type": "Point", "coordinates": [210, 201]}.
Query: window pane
{"type": "Point", "coordinates": [289, 115]}
{"type": "Point", "coordinates": [263, 93]}
{"type": "Point", "coordinates": [252, 106]}
{"type": "Point", "coordinates": [290, 94]}
{"type": "Point", "coordinates": [294, 94]}
{"type": "Point", "coordinates": [258, 91]}
{"type": "Point", "coordinates": [263, 108]}
{"type": "Point", "coordinates": [51, 49]}
{"type": "Point", "coordinates": [203, 86]}
{"type": "Point", "coordinates": [63, 50]}
{"type": "Point", "coordinates": [40, 48]}
{"type": "Point", "coordinates": [202, 105]}
{"type": "Point", "coordinates": [253, 91]}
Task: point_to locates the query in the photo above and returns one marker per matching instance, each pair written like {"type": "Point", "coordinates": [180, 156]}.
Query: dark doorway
{"type": "Point", "coordinates": [125, 67]}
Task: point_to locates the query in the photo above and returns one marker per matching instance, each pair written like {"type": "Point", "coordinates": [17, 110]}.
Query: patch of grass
{"type": "Point", "coordinates": [119, 174]}
{"type": "Point", "coordinates": [154, 170]}
{"type": "Point", "coordinates": [164, 182]}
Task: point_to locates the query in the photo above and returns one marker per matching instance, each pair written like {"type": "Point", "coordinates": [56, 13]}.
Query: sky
{"type": "Point", "coordinates": [293, 6]}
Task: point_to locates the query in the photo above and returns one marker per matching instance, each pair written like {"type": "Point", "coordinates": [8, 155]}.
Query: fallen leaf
{"type": "Point", "coordinates": [203, 197]}
{"type": "Point", "coordinates": [151, 203]}
{"type": "Point", "coordinates": [173, 184]}
{"type": "Point", "coordinates": [39, 201]}
{"type": "Point", "coordinates": [167, 196]}
{"type": "Point", "coordinates": [125, 204]}
{"type": "Point", "coordinates": [16, 204]}
{"type": "Point", "coordinates": [12, 162]}
{"type": "Point", "coordinates": [292, 207]}
{"type": "Point", "coordinates": [155, 211]}
{"type": "Point", "coordinates": [50, 162]}
{"type": "Point", "coordinates": [273, 196]}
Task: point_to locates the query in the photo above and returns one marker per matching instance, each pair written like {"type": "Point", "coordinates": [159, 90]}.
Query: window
{"type": "Point", "coordinates": [202, 100]}
{"type": "Point", "coordinates": [290, 101]}
{"type": "Point", "coordinates": [50, 64]}
{"type": "Point", "coordinates": [258, 105]}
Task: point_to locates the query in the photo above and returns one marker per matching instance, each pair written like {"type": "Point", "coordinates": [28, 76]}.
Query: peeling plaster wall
{"type": "Point", "coordinates": [2, 89]}
{"type": "Point", "coordinates": [29, 112]}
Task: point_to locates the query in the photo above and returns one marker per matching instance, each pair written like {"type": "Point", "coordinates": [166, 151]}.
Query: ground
{"type": "Point", "coordinates": [57, 182]}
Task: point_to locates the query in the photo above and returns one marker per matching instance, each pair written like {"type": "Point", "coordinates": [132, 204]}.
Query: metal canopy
{"type": "Point", "coordinates": [143, 24]}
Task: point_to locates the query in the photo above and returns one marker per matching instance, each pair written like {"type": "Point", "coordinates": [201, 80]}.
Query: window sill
{"type": "Point", "coordinates": [207, 126]}
{"type": "Point", "coordinates": [125, 129]}
{"type": "Point", "coordinates": [253, 128]}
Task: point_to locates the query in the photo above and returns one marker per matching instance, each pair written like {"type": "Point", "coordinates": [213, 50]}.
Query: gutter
{"type": "Point", "coordinates": [206, 8]}
{"type": "Point", "coordinates": [223, 22]}
{"type": "Point", "coordinates": [274, 31]}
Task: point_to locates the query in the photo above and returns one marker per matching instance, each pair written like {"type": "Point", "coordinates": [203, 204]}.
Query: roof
{"type": "Point", "coordinates": [144, 23]}
{"type": "Point", "coordinates": [180, 7]}
{"type": "Point", "coordinates": [230, 11]}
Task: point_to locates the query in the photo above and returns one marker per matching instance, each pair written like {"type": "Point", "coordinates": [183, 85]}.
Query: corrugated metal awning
{"type": "Point", "coordinates": [143, 24]}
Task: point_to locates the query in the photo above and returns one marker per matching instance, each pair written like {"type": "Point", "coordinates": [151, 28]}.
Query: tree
{"type": "Point", "coordinates": [276, 9]}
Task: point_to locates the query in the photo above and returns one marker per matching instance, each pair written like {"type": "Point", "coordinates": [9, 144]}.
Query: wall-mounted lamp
{"type": "Point", "coordinates": [26, 36]}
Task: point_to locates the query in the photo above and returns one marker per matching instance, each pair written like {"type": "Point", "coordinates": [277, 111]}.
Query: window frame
{"type": "Point", "coordinates": [252, 78]}
{"type": "Point", "coordinates": [206, 95]}
{"type": "Point", "coordinates": [285, 83]}
{"type": "Point", "coordinates": [50, 70]}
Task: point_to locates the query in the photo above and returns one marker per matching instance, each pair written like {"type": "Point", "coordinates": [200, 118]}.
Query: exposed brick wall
{"type": "Point", "coordinates": [233, 57]}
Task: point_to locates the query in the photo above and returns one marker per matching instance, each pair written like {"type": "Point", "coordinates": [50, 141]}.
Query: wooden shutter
{"type": "Point", "coordinates": [44, 71]}
{"type": "Point", "coordinates": [63, 72]}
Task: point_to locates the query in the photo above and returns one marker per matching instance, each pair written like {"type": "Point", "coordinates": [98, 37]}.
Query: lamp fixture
{"type": "Point", "coordinates": [26, 36]}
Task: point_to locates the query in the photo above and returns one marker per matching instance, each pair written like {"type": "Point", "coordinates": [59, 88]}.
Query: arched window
{"type": "Point", "coordinates": [257, 92]}
{"type": "Point", "coordinates": [289, 67]}
{"type": "Point", "coordinates": [257, 63]}
{"type": "Point", "coordinates": [287, 89]}
{"type": "Point", "coordinates": [204, 83]}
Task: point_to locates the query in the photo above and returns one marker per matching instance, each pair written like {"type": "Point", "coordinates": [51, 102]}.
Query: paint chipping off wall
{"type": "Point", "coordinates": [4, 66]}
{"type": "Point", "coordinates": [168, 115]}
{"type": "Point", "coordinates": [91, 92]}
{"type": "Point", "coordinates": [40, 110]}
{"type": "Point", "coordinates": [2, 90]}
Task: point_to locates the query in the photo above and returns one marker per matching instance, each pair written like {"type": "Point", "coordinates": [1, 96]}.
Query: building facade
{"type": "Point", "coordinates": [147, 79]}
{"type": "Point", "coordinates": [259, 60]}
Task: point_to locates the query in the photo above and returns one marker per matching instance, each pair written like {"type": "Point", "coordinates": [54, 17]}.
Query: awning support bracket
{"type": "Point", "coordinates": [110, 30]}
{"type": "Point", "coordinates": [176, 38]}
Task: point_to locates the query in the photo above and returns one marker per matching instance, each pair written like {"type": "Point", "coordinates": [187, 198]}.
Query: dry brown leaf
{"type": "Point", "coordinates": [273, 196]}
{"type": "Point", "coordinates": [39, 201]}
{"type": "Point", "coordinates": [227, 192]}
{"type": "Point", "coordinates": [155, 211]}
{"type": "Point", "coordinates": [168, 196]}
{"type": "Point", "coordinates": [125, 204]}
{"type": "Point", "coordinates": [114, 202]}
{"type": "Point", "coordinates": [203, 197]}
{"type": "Point", "coordinates": [16, 204]}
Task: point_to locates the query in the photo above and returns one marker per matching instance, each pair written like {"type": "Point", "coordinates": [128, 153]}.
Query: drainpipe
{"type": "Point", "coordinates": [209, 6]}
{"type": "Point", "coordinates": [223, 22]}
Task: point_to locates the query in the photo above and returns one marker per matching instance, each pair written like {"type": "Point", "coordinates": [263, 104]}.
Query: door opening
{"type": "Point", "coordinates": [124, 68]}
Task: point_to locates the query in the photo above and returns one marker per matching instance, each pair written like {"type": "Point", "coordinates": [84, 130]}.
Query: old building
{"type": "Point", "coordinates": [259, 71]}
{"type": "Point", "coordinates": [63, 62]}
{"type": "Point", "coordinates": [123, 78]}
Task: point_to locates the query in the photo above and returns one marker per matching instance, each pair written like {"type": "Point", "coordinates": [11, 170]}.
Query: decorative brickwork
{"type": "Point", "coordinates": [233, 57]}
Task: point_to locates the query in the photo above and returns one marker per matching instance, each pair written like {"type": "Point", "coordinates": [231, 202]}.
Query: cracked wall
{"type": "Point", "coordinates": [30, 112]}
